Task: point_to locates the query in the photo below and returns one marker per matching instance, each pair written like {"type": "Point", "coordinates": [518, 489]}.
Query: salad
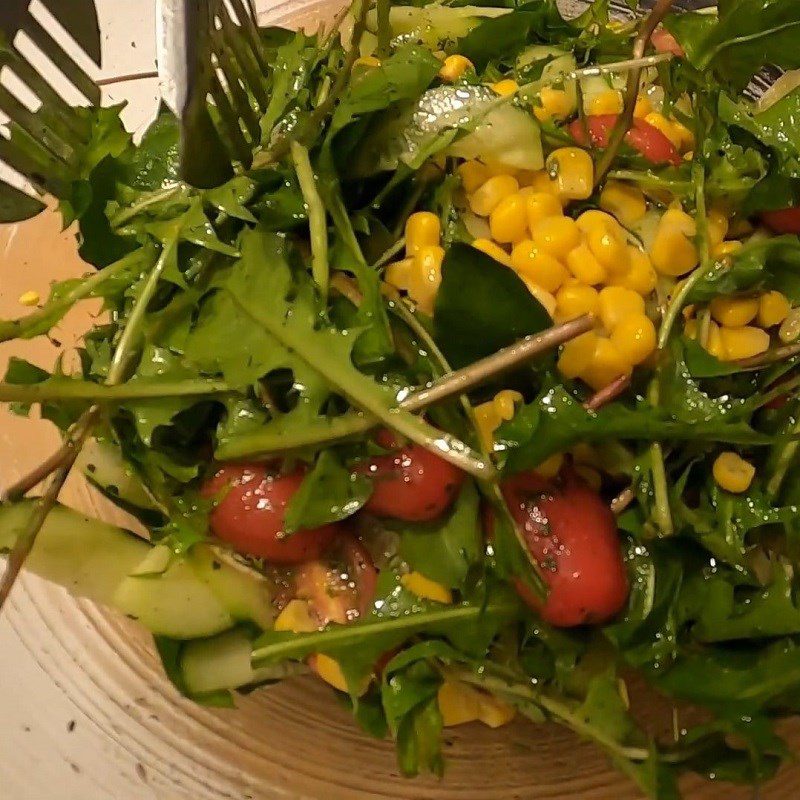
{"type": "Point", "coordinates": [474, 394]}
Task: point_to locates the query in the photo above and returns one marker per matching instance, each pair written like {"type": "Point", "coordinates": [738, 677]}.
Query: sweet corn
{"type": "Point", "coordinates": [493, 250]}
{"type": "Point", "coordinates": [486, 199]}
{"type": "Point", "coordinates": [640, 275]}
{"type": "Point", "coordinates": [398, 274]}
{"type": "Point", "coordinates": [575, 299]}
{"type": "Point", "coordinates": [545, 298]}
{"type": "Point", "coordinates": [617, 303]}
{"type": "Point", "coordinates": [725, 249]}
{"type": "Point", "coordinates": [585, 267]}
{"type": "Point", "coordinates": [608, 102]}
{"type": "Point", "coordinates": [577, 354]}
{"type": "Point", "coordinates": [743, 342]}
{"type": "Point", "coordinates": [505, 88]}
{"type": "Point", "coordinates": [732, 473]}
{"type": "Point", "coordinates": [458, 703]}
{"type": "Point", "coordinates": [509, 220]}
{"type": "Point", "coordinates": [572, 170]}
{"type": "Point", "coordinates": [473, 175]}
{"type": "Point", "coordinates": [423, 229]}
{"type": "Point", "coordinates": [498, 168]}
{"type": "Point", "coordinates": [532, 264]}
{"type": "Point", "coordinates": [330, 671]}
{"type": "Point", "coordinates": [714, 344]}
{"type": "Point", "coordinates": [425, 588]}
{"type": "Point", "coordinates": [367, 61]}
{"type": "Point", "coordinates": [494, 712]}
{"type": "Point", "coordinates": [425, 277]}
{"type": "Point", "coordinates": [550, 467]}
{"type": "Point", "coordinates": [624, 201]}
{"type": "Point", "coordinates": [541, 205]}
{"type": "Point", "coordinates": [556, 235]}
{"type": "Point", "coordinates": [733, 312]}
{"type": "Point", "coordinates": [540, 181]}
{"type": "Point", "coordinates": [673, 253]}
{"type": "Point", "coordinates": [790, 328]}
{"type": "Point", "coordinates": [553, 104]}
{"type": "Point", "coordinates": [487, 421]}
{"type": "Point", "coordinates": [454, 67]}
{"type": "Point", "coordinates": [29, 298]}
{"type": "Point", "coordinates": [590, 476]}
{"type": "Point", "coordinates": [607, 365]}
{"type": "Point", "coordinates": [717, 227]}
{"type": "Point", "coordinates": [635, 338]}
{"type": "Point", "coordinates": [660, 122]}
{"type": "Point", "coordinates": [506, 403]}
{"type": "Point", "coordinates": [296, 618]}
{"type": "Point", "coordinates": [643, 107]}
{"type": "Point", "coordinates": [598, 221]}
{"type": "Point", "coordinates": [684, 135]}
{"type": "Point", "coordinates": [610, 249]}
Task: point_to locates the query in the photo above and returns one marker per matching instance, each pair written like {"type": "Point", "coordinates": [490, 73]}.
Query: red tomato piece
{"type": "Point", "coordinates": [250, 510]}
{"type": "Point", "coordinates": [411, 484]}
{"type": "Point", "coordinates": [643, 137]}
{"type": "Point", "coordinates": [664, 42]}
{"type": "Point", "coordinates": [785, 220]}
{"type": "Point", "coordinates": [572, 535]}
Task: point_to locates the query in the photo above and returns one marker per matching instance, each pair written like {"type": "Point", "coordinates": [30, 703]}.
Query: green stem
{"type": "Point", "coordinates": [145, 202]}
{"type": "Point", "coordinates": [317, 217]}
{"type": "Point", "coordinates": [786, 457]}
{"type": "Point", "coordinates": [69, 389]}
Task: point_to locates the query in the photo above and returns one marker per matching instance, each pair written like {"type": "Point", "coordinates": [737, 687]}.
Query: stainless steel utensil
{"type": "Point", "coordinates": [44, 142]}
{"type": "Point", "coordinates": [210, 51]}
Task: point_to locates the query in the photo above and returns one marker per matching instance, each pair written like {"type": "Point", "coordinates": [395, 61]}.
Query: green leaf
{"type": "Point", "coordinates": [419, 745]}
{"type": "Point", "coordinates": [497, 310]}
{"type": "Point", "coordinates": [701, 364]}
{"type": "Point", "coordinates": [155, 163]}
{"type": "Point", "coordinates": [329, 493]}
{"type": "Point", "coordinates": [444, 551]}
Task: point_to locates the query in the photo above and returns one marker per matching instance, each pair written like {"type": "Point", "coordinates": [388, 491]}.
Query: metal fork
{"type": "Point", "coordinates": [45, 142]}
{"type": "Point", "coordinates": [210, 51]}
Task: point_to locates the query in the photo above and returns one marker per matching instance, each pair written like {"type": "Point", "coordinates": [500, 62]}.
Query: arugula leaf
{"type": "Point", "coordinates": [329, 493]}
{"type": "Point", "coordinates": [467, 325]}
{"type": "Point", "coordinates": [444, 551]}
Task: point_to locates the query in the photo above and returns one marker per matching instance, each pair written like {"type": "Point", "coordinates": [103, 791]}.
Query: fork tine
{"type": "Point", "coordinates": [70, 69]}
{"type": "Point", "coordinates": [28, 158]}
{"type": "Point", "coordinates": [255, 79]}
{"type": "Point", "coordinates": [241, 102]}
{"type": "Point", "coordinates": [247, 22]}
{"type": "Point", "coordinates": [230, 123]}
{"type": "Point", "coordinates": [79, 20]}
{"type": "Point", "coordinates": [16, 205]}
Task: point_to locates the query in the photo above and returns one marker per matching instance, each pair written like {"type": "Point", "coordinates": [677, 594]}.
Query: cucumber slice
{"type": "Point", "coordinates": [223, 662]}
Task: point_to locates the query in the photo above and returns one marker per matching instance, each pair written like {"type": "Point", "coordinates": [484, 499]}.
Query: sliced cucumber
{"type": "Point", "coordinates": [223, 662]}
{"type": "Point", "coordinates": [114, 567]}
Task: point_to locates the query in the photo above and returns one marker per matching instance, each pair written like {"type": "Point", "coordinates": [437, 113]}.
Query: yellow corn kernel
{"type": "Point", "coordinates": [684, 135]}
{"type": "Point", "coordinates": [610, 249]}
{"type": "Point", "coordinates": [725, 249]}
{"type": "Point", "coordinates": [473, 175]}
{"type": "Point", "coordinates": [609, 102]}
{"type": "Point", "coordinates": [790, 328]}
{"type": "Point", "coordinates": [640, 275]}
{"type": "Point", "coordinates": [643, 107]}
{"type": "Point", "coordinates": [577, 354]}
{"type": "Point", "coordinates": [487, 421]}
{"type": "Point", "coordinates": [494, 712]}
{"type": "Point", "coordinates": [296, 617]}
{"type": "Point", "coordinates": [743, 342]}
{"type": "Point", "coordinates": [590, 476]}
{"type": "Point", "coordinates": [550, 467]}
{"type": "Point", "coordinates": [714, 344]}
{"type": "Point", "coordinates": [505, 88]}
{"type": "Point", "coordinates": [545, 298]}
{"type": "Point", "coordinates": [617, 303]}
{"type": "Point", "coordinates": [572, 170]}
{"type": "Point", "coordinates": [425, 588]}
{"type": "Point", "coordinates": [666, 127]}
{"type": "Point", "coordinates": [585, 267]}
{"type": "Point", "coordinates": [717, 227]}
{"type": "Point", "coordinates": [541, 205]}
{"type": "Point", "coordinates": [29, 298]}
{"type": "Point", "coordinates": [506, 402]}
{"type": "Point", "coordinates": [498, 168]}
{"type": "Point", "coordinates": [493, 250]}
{"type": "Point", "coordinates": [673, 253]}
{"type": "Point", "coordinates": [599, 221]}
{"type": "Point", "coordinates": [635, 338]}
{"type": "Point", "coordinates": [425, 277]}
{"type": "Point", "coordinates": [458, 703]}
{"type": "Point", "coordinates": [509, 220]}
{"type": "Point", "coordinates": [367, 61]}
{"type": "Point", "coordinates": [607, 365]}
{"type": "Point", "coordinates": [556, 235]}
{"type": "Point", "coordinates": [454, 68]}
{"type": "Point", "coordinates": [773, 308]}
{"type": "Point", "coordinates": [575, 299]}
{"type": "Point", "coordinates": [532, 264]}
{"type": "Point", "coordinates": [423, 229]}
{"type": "Point", "coordinates": [732, 473]}
{"type": "Point", "coordinates": [330, 671]}
{"type": "Point", "coordinates": [553, 104]}
{"type": "Point", "coordinates": [486, 199]}
{"type": "Point", "coordinates": [398, 274]}
{"type": "Point", "coordinates": [540, 181]}
{"type": "Point", "coordinates": [624, 201]}
{"type": "Point", "coordinates": [733, 312]}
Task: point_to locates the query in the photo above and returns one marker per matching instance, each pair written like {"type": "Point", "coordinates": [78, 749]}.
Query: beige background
{"type": "Point", "coordinates": [85, 713]}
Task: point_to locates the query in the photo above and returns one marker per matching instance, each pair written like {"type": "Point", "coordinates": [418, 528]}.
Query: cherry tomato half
{"type": "Point", "coordinates": [664, 42]}
{"type": "Point", "coordinates": [785, 220]}
{"type": "Point", "coordinates": [572, 534]}
{"type": "Point", "coordinates": [411, 483]}
{"type": "Point", "coordinates": [251, 505]}
{"type": "Point", "coordinates": [643, 137]}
